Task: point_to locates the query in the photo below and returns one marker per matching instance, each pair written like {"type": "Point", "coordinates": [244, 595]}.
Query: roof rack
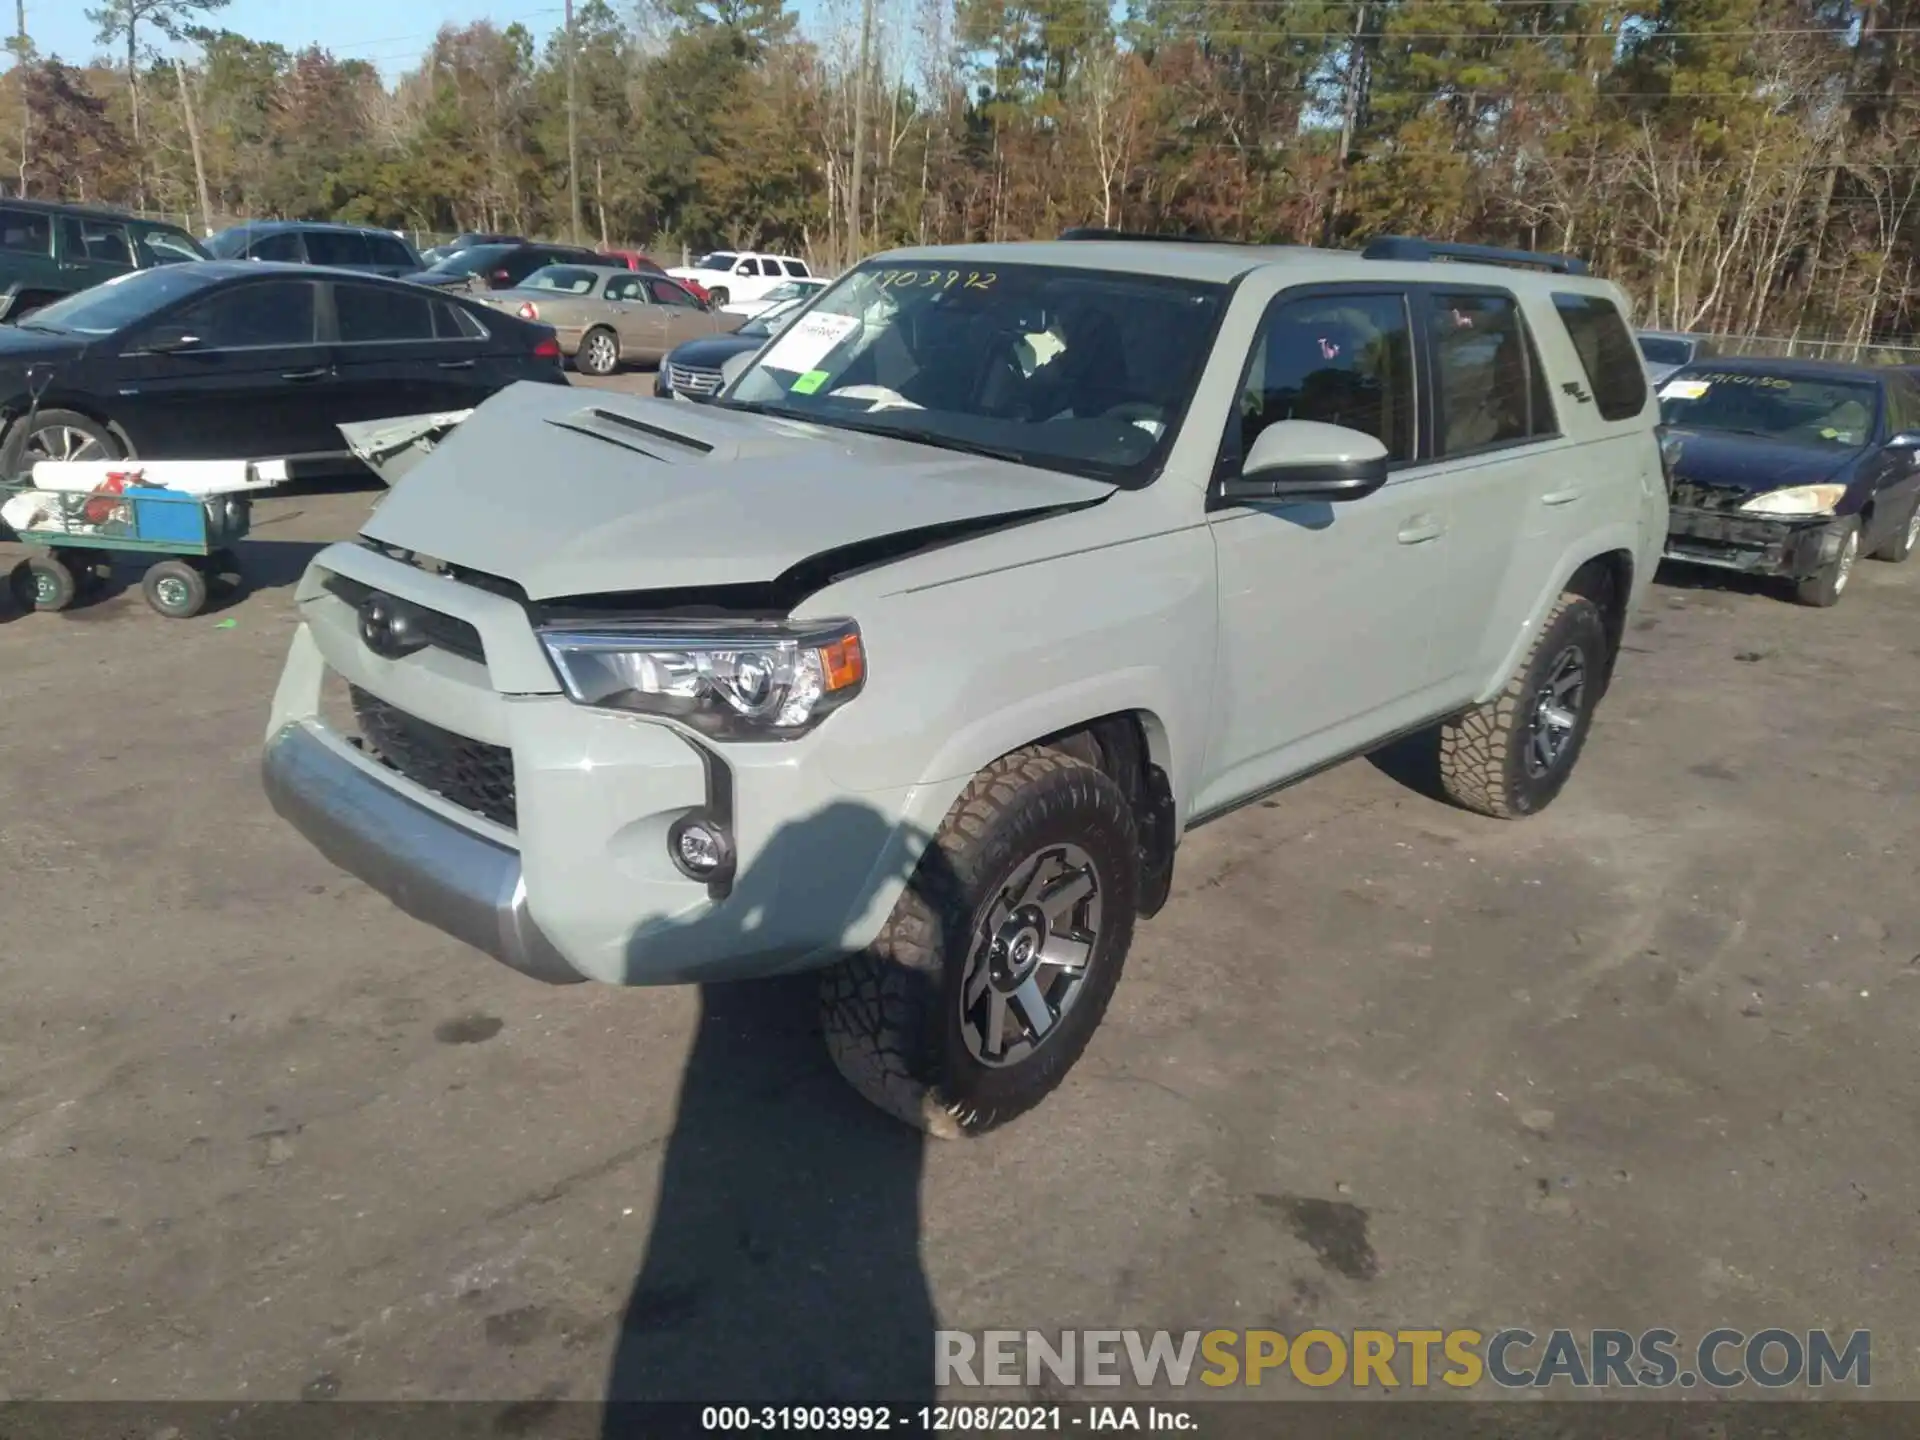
{"type": "Point", "coordinates": [1094, 232]}
{"type": "Point", "coordinates": [1402, 247]}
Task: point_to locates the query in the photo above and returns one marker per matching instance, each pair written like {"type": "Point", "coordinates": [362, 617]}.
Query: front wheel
{"type": "Point", "coordinates": [1825, 587]}
{"type": "Point", "coordinates": [1511, 756]}
{"type": "Point", "coordinates": [718, 296]}
{"type": "Point", "coordinates": [175, 589]}
{"type": "Point", "coordinates": [43, 582]}
{"type": "Point", "coordinates": [998, 961]}
{"type": "Point", "coordinates": [1904, 542]}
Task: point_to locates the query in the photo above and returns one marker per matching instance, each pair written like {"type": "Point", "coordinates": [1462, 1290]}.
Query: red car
{"type": "Point", "coordinates": [635, 260]}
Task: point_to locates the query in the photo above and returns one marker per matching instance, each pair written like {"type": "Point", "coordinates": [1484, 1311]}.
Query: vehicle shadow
{"type": "Point", "coordinates": [1414, 762]}
{"type": "Point", "coordinates": [783, 1263]}
{"type": "Point", "coordinates": [1678, 575]}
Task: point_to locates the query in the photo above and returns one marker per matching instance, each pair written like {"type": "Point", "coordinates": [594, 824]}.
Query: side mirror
{"type": "Point", "coordinates": [1905, 440]}
{"type": "Point", "coordinates": [1300, 460]}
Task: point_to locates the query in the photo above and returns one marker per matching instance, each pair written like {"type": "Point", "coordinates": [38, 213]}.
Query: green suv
{"type": "Point", "coordinates": [49, 250]}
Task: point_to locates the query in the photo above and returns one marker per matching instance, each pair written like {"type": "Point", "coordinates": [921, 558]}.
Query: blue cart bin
{"type": "Point", "coordinates": [169, 517]}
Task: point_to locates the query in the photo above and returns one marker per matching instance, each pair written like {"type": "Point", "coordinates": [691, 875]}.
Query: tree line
{"type": "Point", "coordinates": [1749, 167]}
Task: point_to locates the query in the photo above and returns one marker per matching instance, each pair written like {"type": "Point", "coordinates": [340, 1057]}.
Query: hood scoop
{"type": "Point", "coordinates": [671, 443]}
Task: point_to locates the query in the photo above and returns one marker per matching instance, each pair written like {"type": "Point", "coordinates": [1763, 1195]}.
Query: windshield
{"type": "Point", "coordinates": [115, 304]}
{"type": "Point", "coordinates": [718, 260]}
{"type": "Point", "coordinates": [471, 260]}
{"type": "Point", "coordinates": [1665, 352]}
{"type": "Point", "coordinates": [770, 320]}
{"type": "Point", "coordinates": [1085, 371]}
{"type": "Point", "coordinates": [1779, 407]}
{"type": "Point", "coordinates": [567, 279]}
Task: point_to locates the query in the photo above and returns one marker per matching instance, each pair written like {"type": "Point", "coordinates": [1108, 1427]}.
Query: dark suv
{"type": "Point", "coordinates": [500, 267]}
{"type": "Point", "coordinates": [48, 251]}
{"type": "Point", "coordinates": [307, 242]}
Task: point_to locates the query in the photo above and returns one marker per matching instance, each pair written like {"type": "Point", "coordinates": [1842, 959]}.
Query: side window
{"type": "Point", "coordinates": [625, 287]}
{"type": "Point", "coordinates": [165, 247]}
{"type": "Point", "coordinates": [93, 240]}
{"type": "Point", "coordinates": [797, 270]}
{"type": "Point", "coordinates": [375, 315]}
{"type": "Point", "coordinates": [386, 250]}
{"type": "Point", "coordinates": [284, 245]}
{"type": "Point", "coordinates": [1903, 406]}
{"type": "Point", "coordinates": [277, 312]}
{"type": "Point", "coordinates": [665, 292]}
{"type": "Point", "coordinates": [26, 232]}
{"type": "Point", "coordinates": [1607, 354]}
{"type": "Point", "coordinates": [1487, 381]}
{"type": "Point", "coordinates": [1339, 359]}
{"type": "Point", "coordinates": [454, 322]}
{"type": "Point", "coordinates": [336, 247]}
{"type": "Point", "coordinates": [747, 267]}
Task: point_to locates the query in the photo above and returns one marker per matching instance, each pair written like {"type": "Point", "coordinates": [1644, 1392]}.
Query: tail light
{"type": "Point", "coordinates": [547, 349]}
{"type": "Point", "coordinates": [529, 311]}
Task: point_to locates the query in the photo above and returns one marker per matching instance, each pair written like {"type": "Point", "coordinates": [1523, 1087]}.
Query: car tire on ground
{"type": "Point", "coordinates": [175, 589]}
{"type": "Point", "coordinates": [599, 352]}
{"type": "Point", "coordinates": [1904, 541]}
{"type": "Point", "coordinates": [59, 435]}
{"type": "Point", "coordinates": [1825, 588]}
{"type": "Point", "coordinates": [998, 961]}
{"type": "Point", "coordinates": [718, 297]}
{"type": "Point", "coordinates": [1511, 756]}
{"type": "Point", "coordinates": [43, 582]}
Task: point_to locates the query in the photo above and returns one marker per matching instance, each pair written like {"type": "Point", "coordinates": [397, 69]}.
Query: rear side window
{"type": "Point", "coordinates": [1490, 390]}
{"type": "Point", "coordinates": [334, 247]}
{"type": "Point", "coordinates": [26, 232]}
{"type": "Point", "coordinates": [455, 322]}
{"type": "Point", "coordinates": [796, 269]}
{"type": "Point", "coordinates": [375, 315]}
{"type": "Point", "coordinates": [1606, 353]}
{"type": "Point", "coordinates": [386, 250]}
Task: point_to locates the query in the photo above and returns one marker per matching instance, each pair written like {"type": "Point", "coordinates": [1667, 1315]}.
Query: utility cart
{"type": "Point", "coordinates": [182, 515]}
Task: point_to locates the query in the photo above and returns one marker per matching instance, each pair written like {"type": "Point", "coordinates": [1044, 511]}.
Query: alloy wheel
{"type": "Point", "coordinates": [1556, 711]}
{"type": "Point", "coordinates": [1030, 956]}
{"type": "Point", "coordinates": [63, 442]}
{"type": "Point", "coordinates": [601, 354]}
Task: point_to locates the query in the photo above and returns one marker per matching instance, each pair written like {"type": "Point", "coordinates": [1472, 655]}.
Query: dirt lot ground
{"type": "Point", "coordinates": [1646, 1060]}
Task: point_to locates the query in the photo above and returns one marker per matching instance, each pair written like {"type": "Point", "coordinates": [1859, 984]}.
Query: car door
{"type": "Point", "coordinates": [1493, 475]}
{"type": "Point", "coordinates": [635, 318]}
{"type": "Point", "coordinates": [1895, 469]}
{"type": "Point", "coordinates": [1302, 585]}
{"type": "Point", "coordinates": [682, 317]}
{"type": "Point", "coordinates": [393, 357]}
{"type": "Point", "coordinates": [238, 373]}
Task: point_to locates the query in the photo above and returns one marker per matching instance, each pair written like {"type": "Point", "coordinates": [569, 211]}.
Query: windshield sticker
{"type": "Point", "coordinates": [808, 340]}
{"type": "Point", "coordinates": [937, 279]}
{"type": "Point", "coordinates": [809, 382]}
{"type": "Point", "coordinates": [1765, 382]}
{"type": "Point", "coordinates": [1684, 389]}
{"type": "Point", "coordinates": [1845, 437]}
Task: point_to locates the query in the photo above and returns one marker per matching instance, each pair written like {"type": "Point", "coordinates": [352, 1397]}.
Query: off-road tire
{"type": "Point", "coordinates": [1824, 588]}
{"type": "Point", "coordinates": [1483, 752]}
{"type": "Point", "coordinates": [891, 1013]}
{"type": "Point", "coordinates": [1903, 543]}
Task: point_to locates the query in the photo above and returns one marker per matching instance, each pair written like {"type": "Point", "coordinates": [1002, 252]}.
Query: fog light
{"type": "Point", "coordinates": [701, 849]}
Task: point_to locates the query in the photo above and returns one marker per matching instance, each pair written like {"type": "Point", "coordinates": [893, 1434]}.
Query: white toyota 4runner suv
{"type": "Point", "coordinates": [912, 657]}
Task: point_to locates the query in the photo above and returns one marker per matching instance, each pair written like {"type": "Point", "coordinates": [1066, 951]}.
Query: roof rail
{"type": "Point", "coordinates": [1402, 247]}
{"type": "Point", "coordinates": [1094, 232]}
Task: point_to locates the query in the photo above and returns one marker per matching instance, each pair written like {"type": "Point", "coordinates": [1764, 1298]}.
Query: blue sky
{"type": "Point", "coordinates": [388, 34]}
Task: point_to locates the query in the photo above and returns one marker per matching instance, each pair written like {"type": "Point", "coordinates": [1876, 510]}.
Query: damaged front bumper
{"type": "Point", "coordinates": [1792, 549]}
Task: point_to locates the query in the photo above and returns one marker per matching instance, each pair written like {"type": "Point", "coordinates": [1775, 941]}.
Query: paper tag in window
{"type": "Point", "coordinates": [808, 340]}
{"type": "Point", "coordinates": [1684, 389]}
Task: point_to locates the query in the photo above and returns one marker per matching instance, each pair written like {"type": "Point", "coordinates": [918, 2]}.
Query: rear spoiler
{"type": "Point", "coordinates": [390, 448]}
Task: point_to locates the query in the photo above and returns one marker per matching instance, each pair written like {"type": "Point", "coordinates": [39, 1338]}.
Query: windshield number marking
{"type": "Point", "coordinates": [1767, 382]}
{"type": "Point", "coordinates": [937, 279]}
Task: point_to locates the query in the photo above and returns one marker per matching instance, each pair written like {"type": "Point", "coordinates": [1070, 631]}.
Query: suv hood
{"type": "Point", "coordinates": [571, 492]}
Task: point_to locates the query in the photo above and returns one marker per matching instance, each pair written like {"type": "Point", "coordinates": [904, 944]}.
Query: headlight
{"type": "Point", "coordinates": [731, 681]}
{"type": "Point", "coordinates": [1799, 500]}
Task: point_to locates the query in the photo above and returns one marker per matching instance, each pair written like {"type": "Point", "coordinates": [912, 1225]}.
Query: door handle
{"type": "Point", "coordinates": [456, 365]}
{"type": "Point", "coordinates": [1562, 497]}
{"type": "Point", "coordinates": [319, 372]}
{"type": "Point", "coordinates": [1418, 529]}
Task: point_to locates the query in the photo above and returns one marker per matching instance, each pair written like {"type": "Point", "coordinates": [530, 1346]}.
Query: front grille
{"type": "Point", "coordinates": [471, 773]}
{"type": "Point", "coordinates": [1691, 495]}
{"type": "Point", "coordinates": [445, 632]}
{"type": "Point", "coordinates": [692, 382]}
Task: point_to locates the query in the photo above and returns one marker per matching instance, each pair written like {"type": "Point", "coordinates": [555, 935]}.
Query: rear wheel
{"type": "Point", "coordinates": [599, 352]}
{"type": "Point", "coordinates": [61, 435]}
{"type": "Point", "coordinates": [1511, 756]}
{"type": "Point", "coordinates": [176, 589]}
{"type": "Point", "coordinates": [717, 297]}
{"type": "Point", "coordinates": [43, 582]}
{"type": "Point", "coordinates": [998, 961]}
{"type": "Point", "coordinates": [1825, 587]}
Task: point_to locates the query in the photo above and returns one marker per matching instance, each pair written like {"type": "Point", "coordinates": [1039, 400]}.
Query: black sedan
{"type": "Point", "coordinates": [236, 359]}
{"type": "Point", "coordinates": [1792, 468]}
{"type": "Point", "coordinates": [692, 370]}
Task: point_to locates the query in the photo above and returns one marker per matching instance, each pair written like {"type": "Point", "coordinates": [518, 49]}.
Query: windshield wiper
{"type": "Point", "coordinates": [934, 438]}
